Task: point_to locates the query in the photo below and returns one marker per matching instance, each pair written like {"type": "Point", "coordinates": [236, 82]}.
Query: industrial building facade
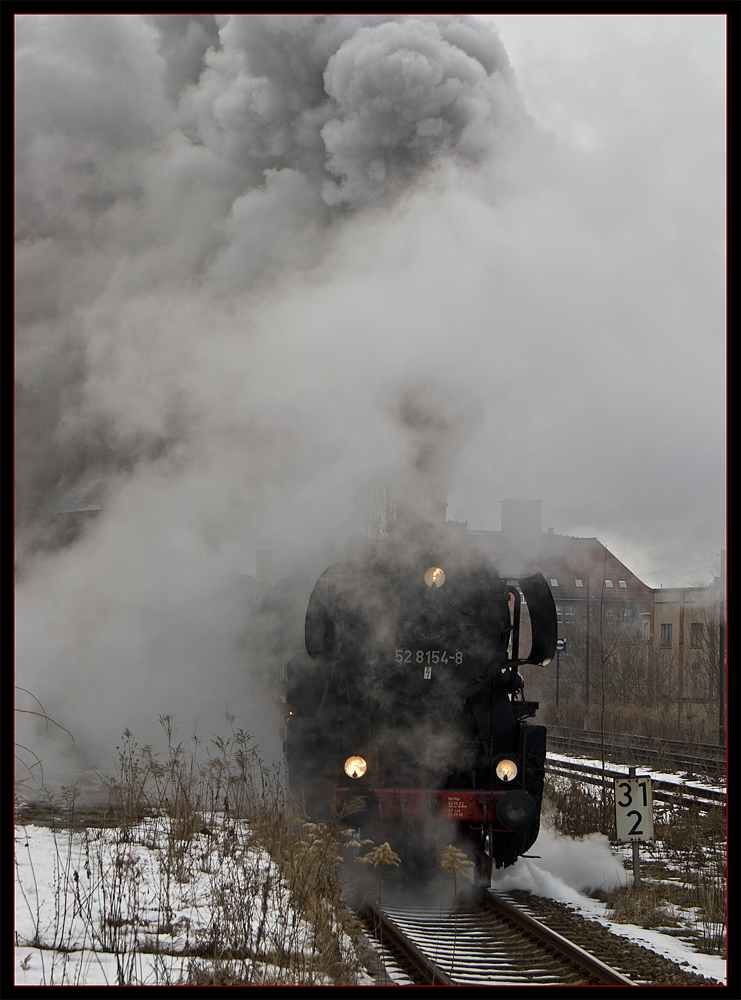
{"type": "Point", "coordinates": [623, 640]}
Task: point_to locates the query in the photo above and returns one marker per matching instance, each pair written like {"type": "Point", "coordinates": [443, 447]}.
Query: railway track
{"type": "Point", "coordinates": [663, 790]}
{"type": "Point", "coordinates": [493, 942]}
{"type": "Point", "coordinates": [705, 760]}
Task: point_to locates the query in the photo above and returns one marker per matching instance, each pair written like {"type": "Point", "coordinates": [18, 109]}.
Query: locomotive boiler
{"type": "Point", "coordinates": [407, 709]}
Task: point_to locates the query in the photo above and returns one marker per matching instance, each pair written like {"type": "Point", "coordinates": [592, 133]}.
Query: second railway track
{"type": "Point", "coordinates": [706, 761]}
{"type": "Point", "coordinates": [664, 790]}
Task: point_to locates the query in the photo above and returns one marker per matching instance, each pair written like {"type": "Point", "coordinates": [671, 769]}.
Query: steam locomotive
{"type": "Point", "coordinates": [407, 710]}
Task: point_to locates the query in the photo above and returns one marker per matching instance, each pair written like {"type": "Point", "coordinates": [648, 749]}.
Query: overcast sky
{"type": "Point", "coordinates": [249, 248]}
{"type": "Point", "coordinates": [631, 242]}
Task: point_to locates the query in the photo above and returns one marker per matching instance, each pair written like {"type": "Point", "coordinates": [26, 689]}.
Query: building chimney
{"type": "Point", "coordinates": [522, 517]}
{"type": "Point", "coordinates": [438, 510]}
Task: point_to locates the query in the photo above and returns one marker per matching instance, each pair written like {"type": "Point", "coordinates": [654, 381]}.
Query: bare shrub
{"type": "Point", "coordinates": [713, 905]}
{"type": "Point", "coordinates": [219, 833]}
{"type": "Point", "coordinates": [695, 840]}
{"type": "Point", "coordinates": [577, 809]}
{"type": "Point", "coordinates": [645, 906]}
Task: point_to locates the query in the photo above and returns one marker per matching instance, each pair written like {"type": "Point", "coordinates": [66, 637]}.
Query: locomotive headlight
{"type": "Point", "coordinates": [506, 769]}
{"type": "Point", "coordinates": [355, 767]}
{"type": "Point", "coordinates": [434, 577]}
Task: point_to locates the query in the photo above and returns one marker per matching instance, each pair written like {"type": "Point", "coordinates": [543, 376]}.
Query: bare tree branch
{"type": "Point", "coordinates": [42, 714]}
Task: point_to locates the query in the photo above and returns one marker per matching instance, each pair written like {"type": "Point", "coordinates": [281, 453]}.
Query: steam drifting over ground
{"type": "Point", "coordinates": [563, 865]}
{"type": "Point", "coordinates": [261, 259]}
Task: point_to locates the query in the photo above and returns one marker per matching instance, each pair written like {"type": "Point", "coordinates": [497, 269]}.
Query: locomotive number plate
{"type": "Point", "coordinates": [429, 656]}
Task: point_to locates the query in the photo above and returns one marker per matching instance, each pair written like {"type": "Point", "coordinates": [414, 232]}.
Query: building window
{"type": "Point", "coordinates": [608, 583]}
{"type": "Point", "coordinates": [559, 613]}
{"type": "Point", "coordinates": [697, 634]}
{"type": "Point", "coordinates": [578, 583]}
{"type": "Point", "coordinates": [666, 635]}
{"type": "Point", "coordinates": [646, 629]}
{"type": "Point", "coordinates": [622, 584]}
{"type": "Point", "coordinates": [554, 582]}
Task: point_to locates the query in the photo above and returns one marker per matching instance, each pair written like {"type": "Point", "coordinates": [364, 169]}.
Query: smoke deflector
{"type": "Point", "coordinates": [543, 621]}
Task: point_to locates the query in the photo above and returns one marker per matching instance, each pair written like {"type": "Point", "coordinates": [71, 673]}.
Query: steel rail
{"type": "Point", "coordinates": [514, 949]}
{"type": "Point", "coordinates": [392, 935]}
{"type": "Point", "coordinates": [696, 759]}
{"type": "Point", "coordinates": [651, 744]}
{"type": "Point", "coordinates": [665, 791]}
{"type": "Point", "coordinates": [591, 966]}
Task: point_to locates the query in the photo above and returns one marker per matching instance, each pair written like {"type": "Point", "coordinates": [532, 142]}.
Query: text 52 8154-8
{"type": "Point", "coordinates": [429, 656]}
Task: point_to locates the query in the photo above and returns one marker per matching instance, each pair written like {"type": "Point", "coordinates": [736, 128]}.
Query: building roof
{"type": "Point", "coordinates": [564, 559]}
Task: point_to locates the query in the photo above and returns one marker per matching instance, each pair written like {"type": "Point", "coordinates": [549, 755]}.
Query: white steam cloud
{"type": "Point", "coordinates": [261, 259]}
{"type": "Point", "coordinates": [226, 320]}
{"type": "Point", "coordinates": [564, 867]}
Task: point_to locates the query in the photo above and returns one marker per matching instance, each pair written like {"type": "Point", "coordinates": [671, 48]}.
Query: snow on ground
{"type": "Point", "coordinates": [109, 910]}
{"type": "Point", "coordinates": [36, 967]}
{"type": "Point", "coordinates": [66, 882]}
{"type": "Point", "coordinates": [669, 777]}
{"type": "Point", "coordinates": [568, 868]}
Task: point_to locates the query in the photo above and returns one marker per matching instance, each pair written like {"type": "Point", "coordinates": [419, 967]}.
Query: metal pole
{"type": "Point", "coordinates": [636, 856]}
{"type": "Point", "coordinates": [586, 666]}
{"type": "Point", "coordinates": [722, 653]}
{"type": "Point", "coordinates": [560, 646]}
{"type": "Point", "coordinates": [636, 866]}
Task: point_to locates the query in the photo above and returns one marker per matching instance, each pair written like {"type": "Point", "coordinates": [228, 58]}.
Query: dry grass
{"type": "Point", "coordinates": [698, 723]}
{"type": "Point", "coordinates": [218, 811]}
{"type": "Point", "coordinates": [694, 841]}
{"type": "Point", "coordinates": [577, 809]}
{"type": "Point", "coordinates": [273, 879]}
{"type": "Point", "coordinates": [645, 906]}
{"type": "Point", "coordinates": [668, 906]}
{"type": "Point", "coordinates": [683, 870]}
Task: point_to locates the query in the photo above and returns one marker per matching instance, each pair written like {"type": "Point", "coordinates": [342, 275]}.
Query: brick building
{"type": "Point", "coordinates": [602, 607]}
{"type": "Point", "coordinates": [686, 645]}
{"type": "Point", "coordinates": [592, 588]}
{"type": "Point", "coordinates": [626, 643]}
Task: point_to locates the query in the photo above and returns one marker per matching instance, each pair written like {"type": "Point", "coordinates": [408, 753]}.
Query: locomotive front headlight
{"type": "Point", "coordinates": [355, 767]}
{"type": "Point", "coordinates": [506, 769]}
{"type": "Point", "coordinates": [434, 577]}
